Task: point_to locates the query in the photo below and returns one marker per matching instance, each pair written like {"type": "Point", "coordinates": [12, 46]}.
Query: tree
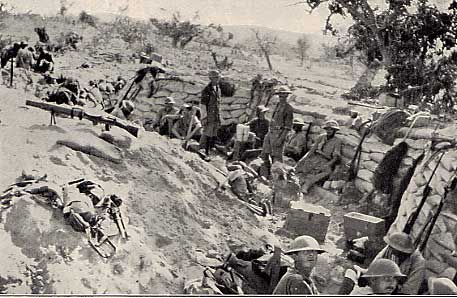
{"type": "Point", "coordinates": [402, 37]}
{"type": "Point", "coordinates": [302, 48]}
{"type": "Point", "coordinates": [64, 6]}
{"type": "Point", "coordinates": [265, 43]}
{"type": "Point", "coordinates": [181, 32]}
{"type": "Point", "coordinates": [88, 19]}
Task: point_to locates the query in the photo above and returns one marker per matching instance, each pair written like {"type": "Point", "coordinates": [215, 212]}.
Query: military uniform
{"type": "Point", "coordinates": [211, 97]}
{"type": "Point", "coordinates": [293, 283]}
{"type": "Point", "coordinates": [280, 124]}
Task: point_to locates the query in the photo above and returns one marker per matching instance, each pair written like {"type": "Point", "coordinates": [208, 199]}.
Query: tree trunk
{"type": "Point", "coordinates": [267, 57]}
{"type": "Point", "coordinates": [363, 86]}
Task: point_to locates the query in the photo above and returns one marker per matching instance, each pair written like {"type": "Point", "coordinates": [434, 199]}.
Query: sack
{"type": "Point", "coordinates": [227, 89]}
{"type": "Point", "coordinates": [242, 132]}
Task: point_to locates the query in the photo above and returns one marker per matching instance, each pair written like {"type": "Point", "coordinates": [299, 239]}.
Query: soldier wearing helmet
{"type": "Point", "coordinates": [320, 161]}
{"type": "Point", "coordinates": [297, 281]}
{"type": "Point", "coordinates": [400, 249]}
{"type": "Point", "coordinates": [382, 276]}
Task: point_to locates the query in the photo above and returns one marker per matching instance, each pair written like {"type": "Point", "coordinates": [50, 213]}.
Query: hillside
{"type": "Point", "coordinates": [174, 217]}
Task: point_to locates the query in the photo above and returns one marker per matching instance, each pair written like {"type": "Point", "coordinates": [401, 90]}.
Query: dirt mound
{"type": "Point", "coordinates": [170, 205]}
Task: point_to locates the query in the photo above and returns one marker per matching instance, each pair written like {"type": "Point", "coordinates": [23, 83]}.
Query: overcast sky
{"type": "Point", "coordinates": [277, 14]}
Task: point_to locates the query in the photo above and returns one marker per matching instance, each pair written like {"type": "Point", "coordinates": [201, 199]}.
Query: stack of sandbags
{"type": "Point", "coordinates": [441, 239]}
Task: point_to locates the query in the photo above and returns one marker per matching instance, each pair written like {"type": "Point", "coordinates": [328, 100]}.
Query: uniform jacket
{"type": "Point", "coordinates": [211, 100]}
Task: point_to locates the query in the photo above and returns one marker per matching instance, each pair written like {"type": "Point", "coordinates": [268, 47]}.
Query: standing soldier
{"type": "Point", "coordinates": [210, 118]}
{"type": "Point", "coordinates": [280, 125]}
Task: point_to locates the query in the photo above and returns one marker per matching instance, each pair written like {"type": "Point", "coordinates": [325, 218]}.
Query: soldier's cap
{"type": "Point", "coordinates": [441, 286]}
{"type": "Point", "coordinates": [298, 122]}
{"type": "Point", "coordinates": [169, 100]}
{"type": "Point", "coordinates": [400, 241]}
{"type": "Point", "coordinates": [332, 124]}
{"type": "Point", "coordinates": [262, 108]}
{"type": "Point", "coordinates": [186, 106]}
{"type": "Point", "coordinates": [383, 268]}
{"type": "Point", "coordinates": [214, 74]}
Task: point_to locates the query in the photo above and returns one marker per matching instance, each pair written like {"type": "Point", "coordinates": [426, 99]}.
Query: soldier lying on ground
{"type": "Point", "coordinates": [320, 161]}
{"type": "Point", "coordinates": [383, 276]}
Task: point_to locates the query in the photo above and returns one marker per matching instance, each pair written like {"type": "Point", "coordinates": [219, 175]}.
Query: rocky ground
{"type": "Point", "coordinates": [175, 218]}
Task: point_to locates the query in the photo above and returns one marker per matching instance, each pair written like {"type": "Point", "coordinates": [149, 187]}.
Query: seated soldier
{"type": "Point", "coordinates": [319, 162]}
{"type": "Point", "coordinates": [383, 276]}
{"type": "Point", "coordinates": [296, 142]}
{"type": "Point", "coordinates": [239, 178]}
{"type": "Point", "coordinates": [187, 126]}
{"type": "Point", "coordinates": [259, 125]}
{"type": "Point", "coordinates": [44, 61]}
{"type": "Point", "coordinates": [166, 117]}
{"type": "Point", "coordinates": [400, 249]}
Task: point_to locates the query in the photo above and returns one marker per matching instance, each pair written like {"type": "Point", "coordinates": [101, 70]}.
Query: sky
{"type": "Point", "coordinates": [276, 14]}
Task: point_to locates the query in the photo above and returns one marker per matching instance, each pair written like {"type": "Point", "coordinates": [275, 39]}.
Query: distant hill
{"type": "Point", "coordinates": [244, 32]}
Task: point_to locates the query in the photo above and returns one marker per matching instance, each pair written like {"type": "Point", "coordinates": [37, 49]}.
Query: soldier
{"type": "Point", "coordinates": [259, 125]}
{"type": "Point", "coordinates": [44, 61]}
{"type": "Point", "coordinates": [24, 57]}
{"type": "Point", "coordinates": [280, 125]}
{"type": "Point", "coordinates": [382, 276]}
{"type": "Point", "coordinates": [296, 142]}
{"type": "Point", "coordinates": [181, 126]}
{"type": "Point", "coordinates": [400, 249]}
{"type": "Point", "coordinates": [165, 117]}
{"type": "Point", "coordinates": [9, 52]}
{"type": "Point", "coordinates": [209, 106]}
{"type": "Point", "coordinates": [321, 159]}
{"type": "Point", "coordinates": [297, 281]}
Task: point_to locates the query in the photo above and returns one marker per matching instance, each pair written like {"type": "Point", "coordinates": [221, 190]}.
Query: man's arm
{"type": "Point", "coordinates": [174, 131]}
{"type": "Point", "coordinates": [415, 277]}
{"type": "Point", "coordinates": [197, 127]}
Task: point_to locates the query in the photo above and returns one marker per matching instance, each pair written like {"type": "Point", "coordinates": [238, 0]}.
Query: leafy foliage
{"type": "Point", "coordinates": [88, 19]}
{"type": "Point", "coordinates": [181, 32]}
{"type": "Point", "coordinates": [411, 40]}
{"type": "Point", "coordinates": [302, 48]}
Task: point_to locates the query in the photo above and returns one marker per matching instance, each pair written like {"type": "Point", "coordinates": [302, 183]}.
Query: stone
{"type": "Point", "coordinates": [376, 157]}
{"type": "Point", "coordinates": [363, 185]}
{"type": "Point", "coordinates": [375, 147]}
{"type": "Point", "coordinates": [365, 175]}
{"type": "Point", "coordinates": [308, 219]}
{"type": "Point", "coordinates": [366, 157]}
{"type": "Point", "coordinates": [369, 165]}
{"type": "Point", "coordinates": [339, 184]}
{"type": "Point", "coordinates": [237, 113]}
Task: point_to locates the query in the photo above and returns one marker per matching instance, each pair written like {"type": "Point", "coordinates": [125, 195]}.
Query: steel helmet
{"type": "Point", "coordinates": [303, 243]}
{"type": "Point", "coordinates": [383, 267]}
{"type": "Point", "coordinates": [332, 124]}
{"type": "Point", "coordinates": [400, 241]}
{"type": "Point", "coordinates": [128, 106]}
{"type": "Point", "coordinates": [441, 286]}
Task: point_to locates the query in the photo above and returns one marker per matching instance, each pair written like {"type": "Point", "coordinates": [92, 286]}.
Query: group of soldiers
{"type": "Point", "coordinates": [27, 57]}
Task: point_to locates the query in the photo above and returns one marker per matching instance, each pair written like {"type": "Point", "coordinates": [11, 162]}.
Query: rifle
{"type": "Point", "coordinates": [189, 130]}
{"type": "Point", "coordinates": [451, 186]}
{"type": "Point", "coordinates": [80, 113]}
{"type": "Point", "coordinates": [12, 72]}
{"type": "Point", "coordinates": [354, 165]}
{"type": "Point", "coordinates": [427, 189]}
